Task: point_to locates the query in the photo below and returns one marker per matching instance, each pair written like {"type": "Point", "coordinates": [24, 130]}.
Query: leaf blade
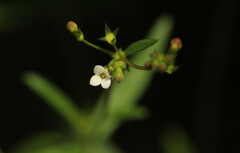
{"type": "Point", "coordinates": [55, 98]}
{"type": "Point", "coordinates": [139, 45]}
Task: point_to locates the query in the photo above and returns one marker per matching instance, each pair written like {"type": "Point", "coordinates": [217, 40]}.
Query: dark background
{"type": "Point", "coordinates": [201, 97]}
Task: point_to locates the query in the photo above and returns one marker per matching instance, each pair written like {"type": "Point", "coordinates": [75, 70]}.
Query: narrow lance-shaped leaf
{"type": "Point", "coordinates": [55, 98]}
{"type": "Point", "coordinates": [139, 46]}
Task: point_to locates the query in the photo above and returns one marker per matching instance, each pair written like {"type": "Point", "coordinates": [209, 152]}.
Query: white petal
{"type": "Point", "coordinates": [98, 69]}
{"type": "Point", "coordinates": [95, 80]}
{"type": "Point", "coordinates": [106, 83]}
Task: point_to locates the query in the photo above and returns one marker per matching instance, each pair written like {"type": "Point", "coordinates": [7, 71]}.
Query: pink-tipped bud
{"type": "Point", "coordinates": [119, 75]}
{"type": "Point", "coordinates": [72, 26]}
{"type": "Point", "coordinates": [119, 78]}
{"type": "Point", "coordinates": [176, 44]}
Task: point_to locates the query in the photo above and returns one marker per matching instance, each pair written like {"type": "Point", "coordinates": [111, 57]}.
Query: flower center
{"type": "Point", "coordinates": [103, 76]}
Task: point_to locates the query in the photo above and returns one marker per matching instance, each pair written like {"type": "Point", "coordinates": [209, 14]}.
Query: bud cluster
{"type": "Point", "coordinates": [165, 62]}
{"type": "Point", "coordinates": [117, 66]}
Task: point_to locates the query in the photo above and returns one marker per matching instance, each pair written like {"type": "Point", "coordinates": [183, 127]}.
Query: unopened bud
{"type": "Point", "coordinates": [176, 44]}
{"type": "Point", "coordinates": [110, 38]}
{"type": "Point", "coordinates": [161, 67]}
{"type": "Point", "coordinates": [169, 58]}
{"type": "Point", "coordinates": [72, 26]}
{"type": "Point", "coordinates": [119, 78]}
{"type": "Point", "coordinates": [119, 75]}
{"type": "Point", "coordinates": [120, 64]}
{"type": "Point", "coordinates": [170, 69]}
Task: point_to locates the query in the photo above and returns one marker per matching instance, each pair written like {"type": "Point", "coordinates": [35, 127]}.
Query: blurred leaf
{"type": "Point", "coordinates": [137, 112]}
{"type": "Point", "coordinates": [58, 148]}
{"type": "Point", "coordinates": [123, 97]}
{"type": "Point", "coordinates": [176, 140]}
{"type": "Point", "coordinates": [139, 46]}
{"type": "Point", "coordinates": [56, 143]}
{"type": "Point", "coordinates": [37, 142]}
{"type": "Point", "coordinates": [55, 98]}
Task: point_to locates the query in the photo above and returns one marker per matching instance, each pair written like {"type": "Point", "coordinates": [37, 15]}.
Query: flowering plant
{"type": "Point", "coordinates": [162, 62]}
{"type": "Point", "coordinates": [92, 129]}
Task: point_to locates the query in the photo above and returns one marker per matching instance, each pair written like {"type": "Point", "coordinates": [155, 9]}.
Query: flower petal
{"type": "Point", "coordinates": [106, 83]}
{"type": "Point", "coordinates": [95, 80]}
{"type": "Point", "coordinates": [98, 69]}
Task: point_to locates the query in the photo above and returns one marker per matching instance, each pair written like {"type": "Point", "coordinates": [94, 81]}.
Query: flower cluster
{"type": "Point", "coordinates": [114, 70]}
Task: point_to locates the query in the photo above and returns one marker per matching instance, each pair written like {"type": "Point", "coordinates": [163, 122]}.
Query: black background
{"type": "Point", "coordinates": [201, 97]}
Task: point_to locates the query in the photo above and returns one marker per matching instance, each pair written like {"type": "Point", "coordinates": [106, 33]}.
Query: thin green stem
{"type": "Point", "coordinates": [98, 48]}
{"type": "Point", "coordinates": [115, 47]}
{"type": "Point", "coordinates": [130, 63]}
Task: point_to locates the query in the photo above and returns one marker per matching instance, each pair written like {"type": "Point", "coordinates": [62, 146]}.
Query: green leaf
{"type": "Point", "coordinates": [139, 46]}
{"type": "Point", "coordinates": [68, 146]}
{"type": "Point", "coordinates": [36, 142]}
{"type": "Point", "coordinates": [55, 98]}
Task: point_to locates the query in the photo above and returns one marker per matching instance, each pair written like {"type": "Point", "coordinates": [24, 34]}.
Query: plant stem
{"type": "Point", "coordinates": [115, 47]}
{"type": "Point", "coordinates": [98, 48]}
{"type": "Point", "coordinates": [130, 63]}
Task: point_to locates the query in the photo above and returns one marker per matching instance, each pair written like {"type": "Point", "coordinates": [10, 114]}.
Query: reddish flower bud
{"type": "Point", "coordinates": [176, 44]}
{"type": "Point", "coordinates": [72, 26]}
{"type": "Point", "coordinates": [161, 67]}
{"type": "Point", "coordinates": [119, 75]}
{"type": "Point", "coordinates": [119, 78]}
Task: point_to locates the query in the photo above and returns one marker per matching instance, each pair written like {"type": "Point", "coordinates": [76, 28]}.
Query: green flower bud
{"type": "Point", "coordinates": [170, 69]}
{"type": "Point", "coordinates": [120, 64]}
{"type": "Point", "coordinates": [110, 38]}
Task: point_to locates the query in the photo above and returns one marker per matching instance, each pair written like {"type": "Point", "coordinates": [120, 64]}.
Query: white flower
{"type": "Point", "coordinates": [101, 76]}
